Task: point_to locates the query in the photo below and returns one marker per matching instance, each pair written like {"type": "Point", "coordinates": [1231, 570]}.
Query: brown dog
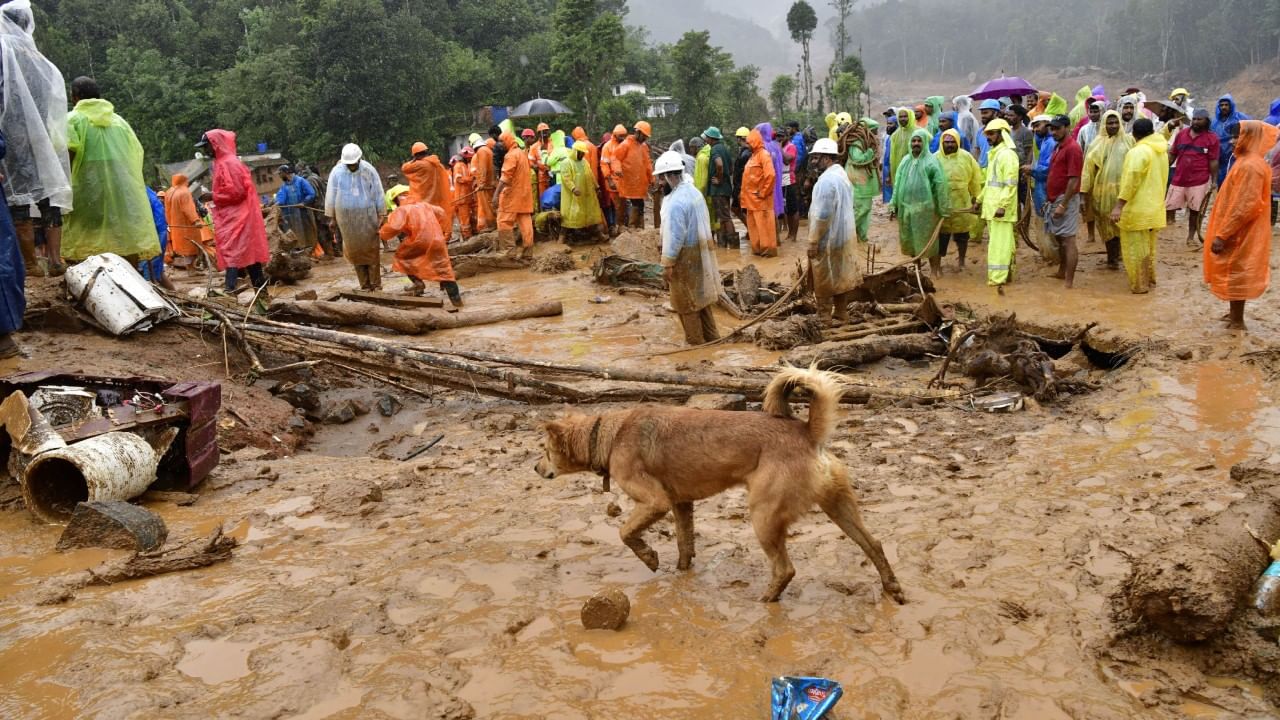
{"type": "Point", "coordinates": [665, 458]}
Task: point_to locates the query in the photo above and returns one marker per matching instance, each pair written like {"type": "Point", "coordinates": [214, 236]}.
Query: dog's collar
{"type": "Point", "coordinates": [599, 466]}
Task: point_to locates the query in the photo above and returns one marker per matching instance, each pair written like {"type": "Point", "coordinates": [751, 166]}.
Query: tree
{"type": "Point", "coordinates": [844, 93]}
{"type": "Point", "coordinates": [696, 65]}
{"type": "Point", "coordinates": [781, 89]}
{"type": "Point", "coordinates": [843, 8]}
{"type": "Point", "coordinates": [586, 52]}
{"type": "Point", "coordinates": [801, 22]}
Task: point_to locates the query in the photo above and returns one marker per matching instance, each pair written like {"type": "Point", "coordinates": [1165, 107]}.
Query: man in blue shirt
{"type": "Point", "coordinates": [294, 195]}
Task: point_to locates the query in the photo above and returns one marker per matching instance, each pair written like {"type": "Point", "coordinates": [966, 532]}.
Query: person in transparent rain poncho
{"type": "Point", "coordinates": [354, 202]}
{"type": "Point", "coordinates": [833, 248]}
{"type": "Point", "coordinates": [33, 118]}
{"type": "Point", "coordinates": [688, 260]}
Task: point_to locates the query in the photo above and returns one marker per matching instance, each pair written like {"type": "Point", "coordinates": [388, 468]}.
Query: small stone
{"type": "Point", "coordinates": [113, 524]}
{"type": "Point", "coordinates": [389, 405]}
{"type": "Point", "coordinates": [1185, 354]}
{"type": "Point", "coordinates": [373, 494]}
{"type": "Point", "coordinates": [612, 510]}
{"type": "Point", "coordinates": [372, 429]}
{"type": "Point", "coordinates": [300, 395]}
{"type": "Point", "coordinates": [717, 401]}
{"type": "Point", "coordinates": [341, 414]}
{"type": "Point", "coordinates": [306, 295]}
{"type": "Point", "coordinates": [606, 610]}
{"type": "Point", "coordinates": [297, 423]}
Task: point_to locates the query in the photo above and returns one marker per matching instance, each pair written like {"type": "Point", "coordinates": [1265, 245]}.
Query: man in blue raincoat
{"type": "Point", "coordinates": [1226, 116]}
{"type": "Point", "coordinates": [13, 277]}
{"type": "Point", "coordinates": [294, 198]}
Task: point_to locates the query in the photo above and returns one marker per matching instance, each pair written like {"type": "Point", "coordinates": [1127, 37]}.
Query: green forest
{"type": "Point", "coordinates": [1191, 39]}
{"type": "Point", "coordinates": [306, 76]}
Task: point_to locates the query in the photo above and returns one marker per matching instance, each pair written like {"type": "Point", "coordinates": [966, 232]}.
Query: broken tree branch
{"type": "Point", "coordinates": [411, 323]}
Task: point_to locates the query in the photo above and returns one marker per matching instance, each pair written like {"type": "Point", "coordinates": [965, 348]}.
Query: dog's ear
{"type": "Point", "coordinates": [554, 429]}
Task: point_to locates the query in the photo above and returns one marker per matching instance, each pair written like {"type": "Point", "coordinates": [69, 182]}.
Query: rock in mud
{"type": "Point", "coordinates": [389, 405]}
{"type": "Point", "coordinates": [791, 332]}
{"type": "Point", "coordinates": [113, 524]}
{"type": "Point", "coordinates": [606, 610]}
{"type": "Point", "coordinates": [300, 395]}
{"type": "Point", "coordinates": [716, 401]}
{"type": "Point", "coordinates": [306, 295]}
{"type": "Point", "coordinates": [345, 411]}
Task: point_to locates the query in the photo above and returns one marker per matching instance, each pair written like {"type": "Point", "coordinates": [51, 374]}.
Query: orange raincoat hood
{"type": "Point", "coordinates": [508, 141]}
{"type": "Point", "coordinates": [755, 141]}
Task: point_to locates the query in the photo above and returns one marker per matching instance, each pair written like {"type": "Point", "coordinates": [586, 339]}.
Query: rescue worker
{"type": "Point", "coordinates": [579, 207]}
{"type": "Point", "coordinates": [463, 192]}
{"type": "Point", "coordinates": [833, 248]}
{"type": "Point", "coordinates": [238, 229]}
{"type": "Point", "coordinates": [758, 179]}
{"type": "Point", "coordinates": [514, 200]}
{"type": "Point", "coordinates": [423, 253]}
{"type": "Point", "coordinates": [354, 202]}
{"type": "Point", "coordinates": [633, 172]}
{"type": "Point", "coordinates": [484, 177]}
{"type": "Point", "coordinates": [688, 259]}
{"type": "Point", "coordinates": [429, 180]}
{"type": "Point", "coordinates": [1139, 209]}
{"type": "Point", "coordinates": [999, 201]}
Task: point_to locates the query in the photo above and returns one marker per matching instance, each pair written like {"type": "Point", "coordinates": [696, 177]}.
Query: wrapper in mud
{"type": "Point", "coordinates": [804, 698]}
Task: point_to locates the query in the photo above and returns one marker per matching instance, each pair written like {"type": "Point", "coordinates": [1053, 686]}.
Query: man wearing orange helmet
{"type": "Point", "coordinates": [429, 180]}
{"type": "Point", "coordinates": [633, 172]}
{"type": "Point", "coordinates": [539, 150]}
{"type": "Point", "coordinates": [515, 199]}
{"type": "Point", "coordinates": [484, 178]}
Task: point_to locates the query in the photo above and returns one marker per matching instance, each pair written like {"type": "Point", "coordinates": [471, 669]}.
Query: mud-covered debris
{"type": "Point", "coordinates": [716, 401]}
{"type": "Point", "coordinates": [288, 267]}
{"type": "Point", "coordinates": [606, 610]}
{"type": "Point", "coordinates": [554, 263]}
{"type": "Point", "coordinates": [388, 405]}
{"type": "Point", "coordinates": [372, 495]}
{"type": "Point", "coordinates": [613, 510]}
{"type": "Point", "coordinates": [306, 295]}
{"type": "Point", "coordinates": [113, 524]}
{"type": "Point", "coordinates": [790, 332]}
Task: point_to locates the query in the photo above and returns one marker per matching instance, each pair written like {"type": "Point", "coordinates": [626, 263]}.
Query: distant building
{"type": "Point", "coordinates": [656, 106]}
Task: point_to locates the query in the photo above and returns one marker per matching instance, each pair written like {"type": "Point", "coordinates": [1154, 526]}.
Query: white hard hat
{"type": "Point", "coordinates": [351, 154]}
{"type": "Point", "coordinates": [477, 143]}
{"type": "Point", "coordinates": [825, 146]}
{"type": "Point", "coordinates": [669, 161]}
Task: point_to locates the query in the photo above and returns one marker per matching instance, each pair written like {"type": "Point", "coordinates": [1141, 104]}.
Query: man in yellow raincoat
{"type": "Point", "coordinates": [1139, 210]}
{"type": "Point", "coordinates": [112, 211]}
{"type": "Point", "coordinates": [580, 214]}
{"type": "Point", "coordinates": [964, 180]}
{"type": "Point", "coordinates": [688, 260]}
{"type": "Point", "coordinates": [1100, 181]}
{"type": "Point", "coordinates": [999, 199]}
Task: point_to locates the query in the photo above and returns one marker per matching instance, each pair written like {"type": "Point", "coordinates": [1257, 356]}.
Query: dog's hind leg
{"type": "Point", "coordinates": [842, 508]}
{"type": "Point", "coordinates": [684, 534]}
{"type": "Point", "coordinates": [642, 517]}
{"type": "Point", "coordinates": [771, 530]}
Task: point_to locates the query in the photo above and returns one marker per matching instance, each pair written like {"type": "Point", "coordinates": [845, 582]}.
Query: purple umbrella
{"type": "Point", "coordinates": [1001, 87]}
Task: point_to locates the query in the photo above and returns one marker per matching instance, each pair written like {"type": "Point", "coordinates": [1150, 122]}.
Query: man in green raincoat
{"type": "Point", "coordinates": [862, 164]}
{"type": "Point", "coordinates": [580, 214]}
{"type": "Point", "coordinates": [112, 211]}
{"type": "Point", "coordinates": [920, 200]}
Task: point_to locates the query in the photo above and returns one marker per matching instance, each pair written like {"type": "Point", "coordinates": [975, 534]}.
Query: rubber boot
{"type": "Point", "coordinates": [506, 240]}
{"type": "Point", "coordinates": [1113, 253]}
{"type": "Point", "coordinates": [53, 249]}
{"type": "Point", "coordinates": [27, 246]}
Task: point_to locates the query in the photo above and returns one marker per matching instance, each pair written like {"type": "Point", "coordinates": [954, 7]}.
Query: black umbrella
{"type": "Point", "coordinates": [540, 106]}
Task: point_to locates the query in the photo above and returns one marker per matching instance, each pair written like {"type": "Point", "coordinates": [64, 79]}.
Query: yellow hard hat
{"type": "Point", "coordinates": [1177, 92]}
{"type": "Point", "coordinates": [396, 192]}
{"type": "Point", "coordinates": [742, 132]}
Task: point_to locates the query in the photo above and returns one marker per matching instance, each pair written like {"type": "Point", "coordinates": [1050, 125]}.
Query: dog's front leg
{"type": "Point", "coordinates": [632, 531]}
{"type": "Point", "coordinates": [684, 534]}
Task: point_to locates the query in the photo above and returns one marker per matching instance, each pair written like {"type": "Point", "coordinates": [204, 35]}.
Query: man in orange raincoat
{"type": "Point", "coordinates": [1236, 260]}
{"type": "Point", "coordinates": [757, 198]}
{"type": "Point", "coordinates": [484, 178]}
{"type": "Point", "coordinates": [429, 180]}
{"type": "Point", "coordinates": [464, 198]}
{"type": "Point", "coordinates": [423, 253]}
{"type": "Point", "coordinates": [185, 226]}
{"type": "Point", "coordinates": [617, 214]}
{"type": "Point", "coordinates": [539, 150]}
{"type": "Point", "coordinates": [633, 172]}
{"type": "Point", "coordinates": [515, 199]}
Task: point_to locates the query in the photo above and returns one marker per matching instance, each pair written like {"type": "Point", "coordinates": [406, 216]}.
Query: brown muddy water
{"type": "Point", "coordinates": [457, 593]}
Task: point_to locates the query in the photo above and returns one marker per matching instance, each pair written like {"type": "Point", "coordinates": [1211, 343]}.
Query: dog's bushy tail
{"type": "Point", "coordinates": [825, 389]}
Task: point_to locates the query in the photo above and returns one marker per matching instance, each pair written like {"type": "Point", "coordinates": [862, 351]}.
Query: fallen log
{"type": "Point", "coordinates": [474, 244]}
{"type": "Point", "coordinates": [865, 350]}
{"type": "Point", "coordinates": [214, 549]}
{"type": "Point", "coordinates": [389, 299]}
{"type": "Point", "coordinates": [900, 328]}
{"type": "Point", "coordinates": [1190, 588]}
{"type": "Point", "coordinates": [466, 266]}
{"type": "Point", "coordinates": [410, 323]}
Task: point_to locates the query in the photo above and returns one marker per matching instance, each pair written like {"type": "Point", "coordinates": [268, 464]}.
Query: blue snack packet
{"type": "Point", "coordinates": [804, 698]}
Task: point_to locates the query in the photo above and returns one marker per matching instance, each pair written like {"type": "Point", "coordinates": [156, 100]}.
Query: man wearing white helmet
{"type": "Point", "coordinates": [688, 263]}
{"type": "Point", "coordinates": [833, 256]}
{"type": "Point", "coordinates": [354, 202]}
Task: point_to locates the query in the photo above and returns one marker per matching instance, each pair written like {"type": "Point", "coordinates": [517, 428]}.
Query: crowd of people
{"type": "Point", "coordinates": [1023, 166]}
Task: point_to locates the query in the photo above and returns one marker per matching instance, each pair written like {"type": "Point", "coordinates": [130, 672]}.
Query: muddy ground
{"type": "Point", "coordinates": [449, 586]}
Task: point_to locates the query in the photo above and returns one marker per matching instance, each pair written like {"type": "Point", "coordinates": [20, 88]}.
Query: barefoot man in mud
{"type": "Point", "coordinates": [1062, 212]}
{"type": "Point", "coordinates": [688, 260]}
{"type": "Point", "coordinates": [1236, 261]}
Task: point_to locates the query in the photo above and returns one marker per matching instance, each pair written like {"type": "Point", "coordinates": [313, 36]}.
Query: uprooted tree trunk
{"type": "Point", "coordinates": [865, 350]}
{"type": "Point", "coordinates": [408, 322]}
{"type": "Point", "coordinates": [465, 266]}
{"type": "Point", "coordinates": [1190, 588]}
